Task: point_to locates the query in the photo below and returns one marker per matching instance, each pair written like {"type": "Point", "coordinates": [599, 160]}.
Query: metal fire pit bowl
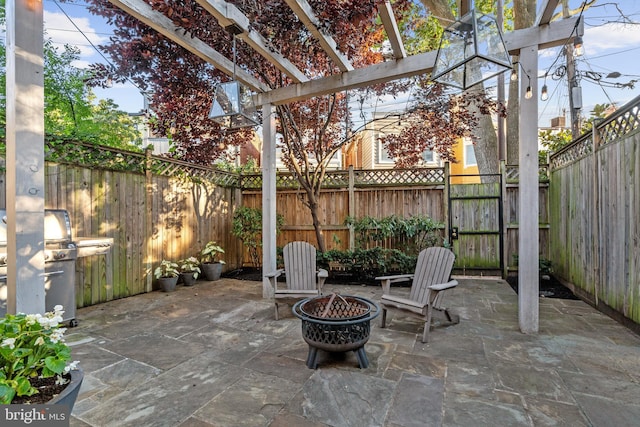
{"type": "Point", "coordinates": [336, 323]}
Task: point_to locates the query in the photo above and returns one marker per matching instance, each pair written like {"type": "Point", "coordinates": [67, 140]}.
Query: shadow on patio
{"type": "Point", "coordinates": [212, 355]}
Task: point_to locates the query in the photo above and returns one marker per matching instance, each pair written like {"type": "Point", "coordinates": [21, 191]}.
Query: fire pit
{"type": "Point", "coordinates": [336, 323]}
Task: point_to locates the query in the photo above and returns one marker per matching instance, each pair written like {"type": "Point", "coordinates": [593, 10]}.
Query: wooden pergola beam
{"type": "Point", "coordinates": [304, 12]}
{"type": "Point", "coordinates": [554, 34]}
{"type": "Point", "coordinates": [227, 14]}
{"type": "Point", "coordinates": [391, 28]}
{"type": "Point", "coordinates": [163, 25]}
{"type": "Point", "coordinates": [546, 12]}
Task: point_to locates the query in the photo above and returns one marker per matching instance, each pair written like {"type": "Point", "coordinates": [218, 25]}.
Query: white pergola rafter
{"type": "Point", "coordinates": [547, 36]}
{"type": "Point", "coordinates": [227, 14]}
{"type": "Point", "coordinates": [167, 28]}
{"type": "Point", "coordinates": [305, 13]}
{"type": "Point", "coordinates": [391, 27]}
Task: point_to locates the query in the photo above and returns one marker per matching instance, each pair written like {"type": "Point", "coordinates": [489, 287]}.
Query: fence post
{"type": "Point", "coordinates": [352, 207]}
{"type": "Point", "coordinates": [446, 202]}
{"type": "Point", "coordinates": [503, 224]}
{"type": "Point", "coordinates": [148, 228]}
{"type": "Point", "coordinates": [595, 242]}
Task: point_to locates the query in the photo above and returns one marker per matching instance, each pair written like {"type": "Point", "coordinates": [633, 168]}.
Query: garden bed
{"type": "Point", "coordinates": [550, 287]}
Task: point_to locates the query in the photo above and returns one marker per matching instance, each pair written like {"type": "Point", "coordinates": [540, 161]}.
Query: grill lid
{"type": "Point", "coordinates": [57, 226]}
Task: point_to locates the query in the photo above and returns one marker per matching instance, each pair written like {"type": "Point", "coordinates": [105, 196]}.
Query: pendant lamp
{"type": "Point", "coordinates": [233, 106]}
{"type": "Point", "coordinates": [471, 50]}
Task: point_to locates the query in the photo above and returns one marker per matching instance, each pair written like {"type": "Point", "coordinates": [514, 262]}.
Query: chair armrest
{"type": "Point", "coordinates": [386, 281]}
{"type": "Point", "coordinates": [396, 278]}
{"type": "Point", "coordinates": [273, 278]}
{"type": "Point", "coordinates": [322, 276]}
{"type": "Point", "coordinates": [274, 274]}
{"type": "Point", "coordinates": [443, 286]}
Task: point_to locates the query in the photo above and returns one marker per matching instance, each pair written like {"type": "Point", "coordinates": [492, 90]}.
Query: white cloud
{"type": "Point", "coordinates": [611, 37]}
{"type": "Point", "coordinates": [62, 31]}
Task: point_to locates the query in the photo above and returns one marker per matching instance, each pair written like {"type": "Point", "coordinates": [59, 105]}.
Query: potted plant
{"type": "Point", "coordinates": [189, 270]}
{"type": "Point", "coordinates": [35, 365]}
{"type": "Point", "coordinates": [211, 265]}
{"type": "Point", "coordinates": [167, 274]}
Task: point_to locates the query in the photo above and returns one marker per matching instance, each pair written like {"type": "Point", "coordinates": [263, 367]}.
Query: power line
{"type": "Point", "coordinates": [92, 45]}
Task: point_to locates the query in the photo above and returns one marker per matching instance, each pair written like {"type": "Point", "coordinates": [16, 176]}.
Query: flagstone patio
{"type": "Point", "coordinates": [213, 355]}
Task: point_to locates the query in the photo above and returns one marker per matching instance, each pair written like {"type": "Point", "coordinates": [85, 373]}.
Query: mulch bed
{"type": "Point", "coordinates": [550, 287]}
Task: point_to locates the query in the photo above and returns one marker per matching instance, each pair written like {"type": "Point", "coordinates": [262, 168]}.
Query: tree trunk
{"type": "Point", "coordinates": [317, 225]}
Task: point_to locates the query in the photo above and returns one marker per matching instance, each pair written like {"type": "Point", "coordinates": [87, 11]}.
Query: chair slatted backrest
{"type": "Point", "coordinates": [300, 265]}
{"type": "Point", "coordinates": [433, 267]}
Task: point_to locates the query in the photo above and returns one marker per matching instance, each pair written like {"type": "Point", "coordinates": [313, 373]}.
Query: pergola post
{"type": "Point", "coordinates": [528, 228]}
{"type": "Point", "coordinates": [268, 196]}
{"type": "Point", "coordinates": [25, 157]}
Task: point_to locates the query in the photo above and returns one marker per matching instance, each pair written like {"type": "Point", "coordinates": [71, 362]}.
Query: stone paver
{"type": "Point", "coordinates": [212, 355]}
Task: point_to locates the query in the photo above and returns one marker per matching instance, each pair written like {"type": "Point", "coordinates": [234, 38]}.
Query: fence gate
{"type": "Point", "coordinates": [476, 224]}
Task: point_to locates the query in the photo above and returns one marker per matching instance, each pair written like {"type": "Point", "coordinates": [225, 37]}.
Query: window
{"type": "Point", "coordinates": [469, 154]}
{"type": "Point", "coordinates": [427, 156]}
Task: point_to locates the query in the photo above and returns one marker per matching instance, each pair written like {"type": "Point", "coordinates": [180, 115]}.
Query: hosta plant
{"type": "Point", "coordinates": [32, 346]}
{"type": "Point", "coordinates": [190, 265]}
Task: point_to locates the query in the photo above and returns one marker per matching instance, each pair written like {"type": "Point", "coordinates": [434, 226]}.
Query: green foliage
{"type": "Point", "coordinates": [552, 141]}
{"type": "Point", "coordinates": [71, 108]}
{"type": "Point", "coordinates": [210, 253]}
{"type": "Point", "coordinates": [250, 166]}
{"type": "Point", "coordinates": [190, 265]}
{"type": "Point", "coordinates": [366, 264]}
{"type": "Point", "coordinates": [411, 234]}
{"type": "Point", "coordinates": [32, 346]}
{"type": "Point", "coordinates": [166, 269]}
{"type": "Point", "coordinates": [247, 226]}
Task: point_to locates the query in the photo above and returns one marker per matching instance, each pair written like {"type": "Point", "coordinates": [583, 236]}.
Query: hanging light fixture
{"type": "Point", "coordinates": [233, 106]}
{"type": "Point", "coordinates": [471, 50]}
{"type": "Point", "coordinates": [544, 95]}
{"type": "Point", "coordinates": [529, 93]}
{"type": "Point", "coordinates": [514, 72]}
{"type": "Point", "coordinates": [578, 49]}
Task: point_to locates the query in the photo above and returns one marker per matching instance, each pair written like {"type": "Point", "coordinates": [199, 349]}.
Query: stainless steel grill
{"type": "Point", "coordinates": [60, 254]}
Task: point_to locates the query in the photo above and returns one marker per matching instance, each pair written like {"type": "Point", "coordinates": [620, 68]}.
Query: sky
{"type": "Point", "coordinates": [610, 46]}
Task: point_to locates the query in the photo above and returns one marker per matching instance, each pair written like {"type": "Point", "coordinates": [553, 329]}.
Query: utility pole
{"type": "Point", "coordinates": [502, 143]}
{"type": "Point", "coordinates": [575, 91]}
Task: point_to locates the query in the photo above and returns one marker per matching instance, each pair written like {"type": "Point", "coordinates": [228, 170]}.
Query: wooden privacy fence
{"type": "Point", "coordinates": [594, 203]}
{"type": "Point", "coordinates": [381, 193]}
{"type": "Point", "coordinates": [154, 209]}
{"type": "Point", "coordinates": [157, 208]}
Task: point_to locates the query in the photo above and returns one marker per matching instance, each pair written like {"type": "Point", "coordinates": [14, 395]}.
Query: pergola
{"type": "Point", "coordinates": [25, 123]}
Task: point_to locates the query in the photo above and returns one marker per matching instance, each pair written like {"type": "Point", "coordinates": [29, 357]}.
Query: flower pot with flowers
{"type": "Point", "coordinates": [35, 365]}
{"type": "Point", "coordinates": [211, 265]}
{"type": "Point", "coordinates": [189, 270]}
{"type": "Point", "coordinates": [167, 274]}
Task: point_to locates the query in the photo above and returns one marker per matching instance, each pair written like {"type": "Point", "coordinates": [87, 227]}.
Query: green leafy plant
{"type": "Point", "coordinates": [393, 232]}
{"type": "Point", "coordinates": [32, 347]}
{"type": "Point", "coordinates": [190, 265]}
{"type": "Point", "coordinates": [166, 269]}
{"type": "Point", "coordinates": [211, 252]}
{"type": "Point", "coordinates": [247, 226]}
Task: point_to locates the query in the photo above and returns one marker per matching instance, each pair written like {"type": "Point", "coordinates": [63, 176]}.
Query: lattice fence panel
{"type": "Point", "coordinates": [418, 176]}
{"type": "Point", "coordinates": [77, 153]}
{"type": "Point", "coordinates": [577, 150]}
{"type": "Point", "coordinates": [619, 126]}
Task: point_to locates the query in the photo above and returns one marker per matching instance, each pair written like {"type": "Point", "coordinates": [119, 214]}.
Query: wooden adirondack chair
{"type": "Point", "coordinates": [303, 280]}
{"type": "Point", "coordinates": [430, 280]}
